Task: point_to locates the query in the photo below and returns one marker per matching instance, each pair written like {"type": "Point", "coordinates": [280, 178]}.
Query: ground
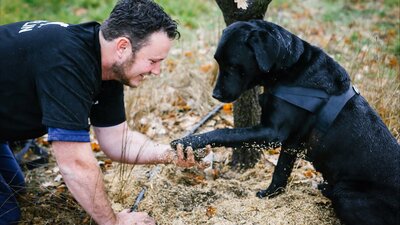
{"type": "Point", "coordinates": [187, 196]}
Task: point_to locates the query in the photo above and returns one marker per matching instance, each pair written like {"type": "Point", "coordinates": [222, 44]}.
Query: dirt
{"type": "Point", "coordinates": [217, 195]}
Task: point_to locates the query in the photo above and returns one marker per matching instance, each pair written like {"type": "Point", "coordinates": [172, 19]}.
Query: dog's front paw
{"type": "Point", "coordinates": [184, 142]}
{"type": "Point", "coordinates": [174, 143]}
{"type": "Point", "coordinates": [191, 140]}
{"type": "Point", "coordinates": [198, 149]}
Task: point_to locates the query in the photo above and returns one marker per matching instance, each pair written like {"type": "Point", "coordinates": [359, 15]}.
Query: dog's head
{"type": "Point", "coordinates": [246, 54]}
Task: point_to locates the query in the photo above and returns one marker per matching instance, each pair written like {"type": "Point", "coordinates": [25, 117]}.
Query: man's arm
{"type": "Point", "coordinates": [121, 144]}
{"type": "Point", "coordinates": [84, 180]}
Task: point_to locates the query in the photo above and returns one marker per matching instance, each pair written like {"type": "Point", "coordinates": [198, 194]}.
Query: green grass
{"type": "Point", "coordinates": [72, 11]}
{"type": "Point", "coordinates": [186, 12]}
{"type": "Point", "coordinates": [392, 3]}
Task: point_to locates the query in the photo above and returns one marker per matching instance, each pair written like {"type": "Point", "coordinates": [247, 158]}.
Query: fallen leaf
{"type": "Point", "coordinates": [171, 65]}
{"type": "Point", "coordinates": [393, 63]}
{"type": "Point", "coordinates": [211, 211]}
{"type": "Point", "coordinates": [95, 147]}
{"type": "Point", "coordinates": [188, 54]}
{"type": "Point", "coordinates": [274, 151]}
{"type": "Point", "coordinates": [309, 173]}
{"type": "Point", "coordinates": [58, 178]}
{"type": "Point", "coordinates": [108, 161]}
{"type": "Point", "coordinates": [205, 68]}
{"type": "Point", "coordinates": [228, 107]}
{"type": "Point", "coordinates": [48, 184]}
{"type": "Point", "coordinates": [61, 189]}
{"type": "Point", "coordinates": [43, 142]}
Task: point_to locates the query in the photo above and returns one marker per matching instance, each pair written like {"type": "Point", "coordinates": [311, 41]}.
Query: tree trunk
{"type": "Point", "coordinates": [246, 110]}
{"type": "Point", "coordinates": [256, 9]}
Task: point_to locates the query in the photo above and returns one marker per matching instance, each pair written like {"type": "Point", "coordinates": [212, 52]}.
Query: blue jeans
{"type": "Point", "coordinates": [12, 182]}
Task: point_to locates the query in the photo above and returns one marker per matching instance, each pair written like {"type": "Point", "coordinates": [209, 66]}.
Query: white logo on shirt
{"type": "Point", "coordinates": [28, 26]}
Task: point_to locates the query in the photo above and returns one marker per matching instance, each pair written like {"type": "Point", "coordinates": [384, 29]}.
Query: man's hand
{"type": "Point", "coordinates": [136, 218]}
{"type": "Point", "coordinates": [178, 157]}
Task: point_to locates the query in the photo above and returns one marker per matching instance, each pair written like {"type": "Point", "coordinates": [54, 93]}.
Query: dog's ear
{"type": "Point", "coordinates": [265, 47]}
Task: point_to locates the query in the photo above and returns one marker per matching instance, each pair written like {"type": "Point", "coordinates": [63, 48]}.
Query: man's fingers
{"type": "Point", "coordinates": [179, 152]}
{"type": "Point", "coordinates": [190, 156]}
{"type": "Point", "coordinates": [185, 160]}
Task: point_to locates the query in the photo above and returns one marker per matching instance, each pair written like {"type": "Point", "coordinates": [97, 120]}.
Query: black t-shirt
{"type": "Point", "coordinates": [50, 76]}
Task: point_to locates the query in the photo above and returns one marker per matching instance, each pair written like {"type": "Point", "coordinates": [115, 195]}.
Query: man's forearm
{"type": "Point", "coordinates": [142, 150]}
{"type": "Point", "coordinates": [126, 146]}
{"type": "Point", "coordinates": [84, 179]}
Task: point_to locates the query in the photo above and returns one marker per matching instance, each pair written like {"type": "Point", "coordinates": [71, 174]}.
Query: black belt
{"type": "Point", "coordinates": [316, 101]}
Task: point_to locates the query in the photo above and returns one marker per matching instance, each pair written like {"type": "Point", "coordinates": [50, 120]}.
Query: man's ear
{"type": "Point", "coordinates": [265, 47]}
{"type": "Point", "coordinates": [124, 46]}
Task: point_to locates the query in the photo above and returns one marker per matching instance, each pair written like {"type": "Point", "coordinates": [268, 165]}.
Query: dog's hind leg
{"type": "Point", "coordinates": [354, 207]}
{"type": "Point", "coordinates": [281, 174]}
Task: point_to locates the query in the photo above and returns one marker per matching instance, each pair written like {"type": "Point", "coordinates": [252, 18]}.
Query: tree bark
{"type": "Point", "coordinates": [246, 110]}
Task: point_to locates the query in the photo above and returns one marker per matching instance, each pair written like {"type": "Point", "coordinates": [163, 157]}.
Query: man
{"type": "Point", "coordinates": [59, 79]}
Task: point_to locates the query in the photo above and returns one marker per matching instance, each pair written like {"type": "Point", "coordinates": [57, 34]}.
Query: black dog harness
{"type": "Point", "coordinates": [326, 106]}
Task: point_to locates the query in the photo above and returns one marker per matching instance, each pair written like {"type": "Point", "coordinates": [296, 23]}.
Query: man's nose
{"type": "Point", "coordinates": [156, 70]}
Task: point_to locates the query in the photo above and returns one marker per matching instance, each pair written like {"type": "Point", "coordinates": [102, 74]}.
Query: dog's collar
{"type": "Point", "coordinates": [316, 101]}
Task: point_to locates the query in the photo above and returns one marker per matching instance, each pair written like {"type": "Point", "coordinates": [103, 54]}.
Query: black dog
{"type": "Point", "coordinates": [308, 103]}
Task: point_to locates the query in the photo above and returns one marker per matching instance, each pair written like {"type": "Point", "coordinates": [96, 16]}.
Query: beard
{"type": "Point", "coordinates": [119, 71]}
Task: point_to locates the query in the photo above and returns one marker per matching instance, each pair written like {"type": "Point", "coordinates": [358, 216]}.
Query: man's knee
{"type": "Point", "coordinates": [10, 170]}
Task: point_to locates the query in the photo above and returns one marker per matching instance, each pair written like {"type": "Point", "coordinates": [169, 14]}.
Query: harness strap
{"type": "Point", "coordinates": [333, 107]}
{"type": "Point", "coordinates": [316, 101]}
{"type": "Point", "coordinates": [306, 98]}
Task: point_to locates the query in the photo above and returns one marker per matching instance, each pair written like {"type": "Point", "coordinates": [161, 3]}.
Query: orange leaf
{"type": "Point", "coordinates": [171, 65]}
{"type": "Point", "coordinates": [188, 54]}
{"type": "Point", "coordinates": [392, 33]}
{"type": "Point", "coordinates": [274, 151]}
{"type": "Point", "coordinates": [42, 142]}
{"type": "Point", "coordinates": [228, 107]}
{"type": "Point", "coordinates": [95, 147]}
{"type": "Point", "coordinates": [205, 68]}
{"type": "Point", "coordinates": [215, 173]}
{"type": "Point", "coordinates": [211, 211]}
{"type": "Point", "coordinates": [347, 40]}
{"type": "Point", "coordinates": [309, 173]}
{"type": "Point", "coordinates": [393, 63]}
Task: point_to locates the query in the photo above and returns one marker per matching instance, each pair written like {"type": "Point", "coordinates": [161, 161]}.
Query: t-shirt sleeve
{"type": "Point", "coordinates": [66, 94]}
{"type": "Point", "coordinates": [58, 134]}
{"type": "Point", "coordinates": [109, 108]}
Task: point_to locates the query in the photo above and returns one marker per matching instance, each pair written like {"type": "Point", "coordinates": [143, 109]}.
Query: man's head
{"type": "Point", "coordinates": [137, 37]}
